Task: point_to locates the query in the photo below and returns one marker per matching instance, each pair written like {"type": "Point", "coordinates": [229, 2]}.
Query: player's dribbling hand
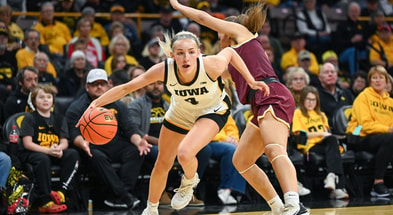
{"type": "Point", "coordinates": [260, 85]}
{"type": "Point", "coordinates": [91, 106]}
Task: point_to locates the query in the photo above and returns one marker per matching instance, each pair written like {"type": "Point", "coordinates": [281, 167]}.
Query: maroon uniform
{"type": "Point", "coordinates": [280, 99]}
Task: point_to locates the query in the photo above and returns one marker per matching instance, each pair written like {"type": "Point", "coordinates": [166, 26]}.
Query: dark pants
{"type": "Point", "coordinates": [329, 149]}
{"type": "Point", "coordinates": [381, 145]}
{"type": "Point", "coordinates": [123, 152]}
{"type": "Point", "coordinates": [42, 171]}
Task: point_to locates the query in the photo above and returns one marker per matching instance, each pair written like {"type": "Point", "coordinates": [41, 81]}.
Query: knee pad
{"type": "Point", "coordinates": [279, 155]}
{"type": "Point", "coordinates": [274, 144]}
{"type": "Point", "coordinates": [241, 172]}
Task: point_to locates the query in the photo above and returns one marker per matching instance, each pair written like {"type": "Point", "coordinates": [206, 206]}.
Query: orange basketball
{"type": "Point", "coordinates": [98, 126]}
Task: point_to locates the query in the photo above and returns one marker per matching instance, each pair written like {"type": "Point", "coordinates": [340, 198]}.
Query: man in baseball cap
{"type": "Point", "coordinates": [122, 149]}
{"type": "Point", "coordinates": [96, 75]}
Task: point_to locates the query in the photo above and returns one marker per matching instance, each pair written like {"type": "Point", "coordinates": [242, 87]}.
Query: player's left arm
{"type": "Point", "coordinates": [228, 55]}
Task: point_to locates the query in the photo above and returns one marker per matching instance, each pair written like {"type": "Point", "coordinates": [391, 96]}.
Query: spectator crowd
{"type": "Point", "coordinates": [325, 64]}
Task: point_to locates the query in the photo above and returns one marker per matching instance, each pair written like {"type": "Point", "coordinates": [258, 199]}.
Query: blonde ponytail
{"type": "Point", "coordinates": [167, 45]}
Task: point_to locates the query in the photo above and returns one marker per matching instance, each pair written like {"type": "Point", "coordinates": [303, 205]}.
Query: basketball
{"type": "Point", "coordinates": [98, 126]}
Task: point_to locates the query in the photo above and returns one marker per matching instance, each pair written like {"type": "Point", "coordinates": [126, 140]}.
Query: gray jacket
{"type": "Point", "coordinates": [140, 112]}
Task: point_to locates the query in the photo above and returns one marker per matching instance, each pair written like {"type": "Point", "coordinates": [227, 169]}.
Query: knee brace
{"type": "Point", "coordinates": [241, 172]}
{"type": "Point", "coordinates": [277, 156]}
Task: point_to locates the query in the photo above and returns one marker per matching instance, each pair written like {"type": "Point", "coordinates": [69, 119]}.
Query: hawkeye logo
{"type": "Point", "coordinates": [191, 92]}
{"type": "Point", "coordinates": [47, 140]}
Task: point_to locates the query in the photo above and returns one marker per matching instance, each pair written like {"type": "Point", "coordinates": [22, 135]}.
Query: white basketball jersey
{"type": "Point", "coordinates": [202, 93]}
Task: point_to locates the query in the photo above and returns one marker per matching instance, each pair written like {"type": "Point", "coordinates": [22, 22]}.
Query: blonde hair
{"type": "Point", "coordinates": [380, 70]}
{"type": "Point", "coordinates": [167, 45]}
{"type": "Point", "coordinates": [117, 38]}
{"type": "Point", "coordinates": [298, 70]}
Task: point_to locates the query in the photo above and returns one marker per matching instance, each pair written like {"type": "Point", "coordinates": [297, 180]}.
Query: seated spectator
{"type": "Point", "coordinates": [372, 120]}
{"type": "Point", "coordinates": [8, 68]}
{"type": "Point", "coordinates": [133, 72]}
{"type": "Point", "coordinates": [17, 101]}
{"type": "Point", "coordinates": [310, 119]}
{"type": "Point", "coordinates": [115, 28]}
{"type": "Point", "coordinates": [119, 45]}
{"type": "Point", "coordinates": [5, 167]}
{"type": "Point", "coordinates": [44, 77]}
{"type": "Point", "coordinates": [350, 39]}
{"type": "Point", "coordinates": [289, 58]}
{"type": "Point", "coordinates": [370, 8]}
{"type": "Point", "coordinates": [381, 52]}
{"type": "Point", "coordinates": [154, 56]}
{"type": "Point", "coordinates": [206, 46]}
{"type": "Point", "coordinates": [118, 77]}
{"type": "Point", "coordinates": [376, 21]}
{"type": "Point", "coordinates": [25, 56]}
{"type": "Point", "coordinates": [45, 141]}
{"type": "Point", "coordinates": [167, 21]}
{"type": "Point", "coordinates": [119, 62]}
{"type": "Point", "coordinates": [54, 33]}
{"type": "Point", "coordinates": [16, 35]}
{"type": "Point", "coordinates": [126, 147]}
{"type": "Point", "coordinates": [304, 61]}
{"type": "Point", "coordinates": [358, 83]}
{"type": "Point", "coordinates": [97, 30]}
{"type": "Point", "coordinates": [344, 77]}
{"type": "Point", "coordinates": [67, 6]}
{"type": "Point", "coordinates": [331, 95]}
{"type": "Point", "coordinates": [389, 86]}
{"type": "Point", "coordinates": [296, 80]}
{"type": "Point", "coordinates": [312, 22]}
{"type": "Point", "coordinates": [130, 32]}
{"type": "Point", "coordinates": [94, 52]}
{"type": "Point", "coordinates": [70, 83]}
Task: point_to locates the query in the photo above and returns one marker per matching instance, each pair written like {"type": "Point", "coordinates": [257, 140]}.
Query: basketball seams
{"type": "Point", "coordinates": [96, 129]}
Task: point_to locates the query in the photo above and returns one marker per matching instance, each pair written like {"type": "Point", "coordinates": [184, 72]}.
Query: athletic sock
{"type": "Point", "coordinates": [291, 198]}
{"type": "Point", "coordinates": [152, 205]}
{"type": "Point", "coordinates": [275, 204]}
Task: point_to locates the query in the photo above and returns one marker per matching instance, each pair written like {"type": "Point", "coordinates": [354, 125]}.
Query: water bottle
{"type": "Point", "coordinates": [13, 140]}
{"type": "Point", "coordinates": [14, 136]}
{"type": "Point", "coordinates": [90, 207]}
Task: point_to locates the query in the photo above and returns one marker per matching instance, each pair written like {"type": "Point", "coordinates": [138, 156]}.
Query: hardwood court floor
{"type": "Point", "coordinates": [318, 204]}
{"type": "Point", "coordinates": [357, 207]}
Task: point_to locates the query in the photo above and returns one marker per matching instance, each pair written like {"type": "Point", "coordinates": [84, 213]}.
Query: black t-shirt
{"type": "Point", "coordinates": [156, 119]}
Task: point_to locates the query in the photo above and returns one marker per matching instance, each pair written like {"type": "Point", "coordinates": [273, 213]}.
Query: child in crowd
{"type": "Point", "coordinates": [308, 118]}
{"type": "Point", "coordinates": [45, 142]}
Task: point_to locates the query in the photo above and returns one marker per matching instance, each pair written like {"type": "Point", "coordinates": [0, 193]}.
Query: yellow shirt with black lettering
{"type": "Point", "coordinates": [314, 123]}
{"type": "Point", "coordinates": [374, 112]}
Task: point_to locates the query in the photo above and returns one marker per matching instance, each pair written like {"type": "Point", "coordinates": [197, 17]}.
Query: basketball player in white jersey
{"type": "Point", "coordinates": [199, 109]}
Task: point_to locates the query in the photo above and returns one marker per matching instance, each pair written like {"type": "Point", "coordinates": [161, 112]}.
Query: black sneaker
{"type": "Point", "coordinates": [130, 202]}
{"type": "Point", "coordinates": [291, 210]}
{"type": "Point", "coordinates": [115, 203]}
{"type": "Point", "coordinates": [380, 190]}
{"type": "Point", "coordinates": [303, 210]}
